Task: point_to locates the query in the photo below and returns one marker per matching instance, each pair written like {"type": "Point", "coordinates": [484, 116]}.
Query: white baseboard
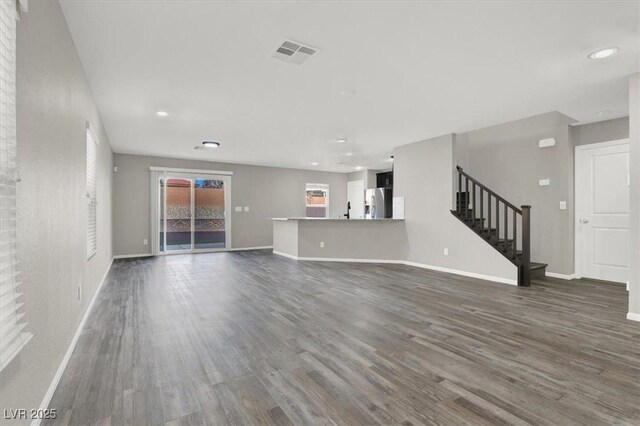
{"type": "Point", "coordinates": [463, 273]}
{"type": "Point", "coordinates": [67, 356]}
{"type": "Point", "coordinates": [336, 259]}
{"type": "Point", "coordinates": [129, 256]}
{"type": "Point", "coordinates": [290, 256]}
{"type": "Point", "coordinates": [349, 260]}
{"type": "Point", "coordinates": [403, 262]}
{"type": "Point", "coordinates": [251, 248]}
{"type": "Point", "coordinates": [561, 276]}
{"type": "Point", "coordinates": [633, 317]}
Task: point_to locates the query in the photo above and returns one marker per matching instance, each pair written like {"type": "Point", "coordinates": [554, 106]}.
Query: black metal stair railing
{"type": "Point", "coordinates": [498, 225]}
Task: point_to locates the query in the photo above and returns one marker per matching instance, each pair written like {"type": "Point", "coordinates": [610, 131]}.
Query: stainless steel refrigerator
{"type": "Point", "coordinates": [378, 203]}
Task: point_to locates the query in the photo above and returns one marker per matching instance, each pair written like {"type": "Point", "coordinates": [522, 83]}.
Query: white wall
{"type": "Point", "coordinates": [54, 103]}
{"type": "Point", "coordinates": [424, 176]}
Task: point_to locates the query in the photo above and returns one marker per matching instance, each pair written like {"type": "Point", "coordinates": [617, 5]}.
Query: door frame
{"type": "Point", "coordinates": [361, 181]}
{"type": "Point", "coordinates": [156, 208]}
{"type": "Point", "coordinates": [577, 247]}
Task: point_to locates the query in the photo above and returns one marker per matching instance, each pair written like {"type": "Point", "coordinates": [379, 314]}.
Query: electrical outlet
{"type": "Point", "coordinates": [446, 252]}
{"type": "Point", "coordinates": [145, 241]}
{"type": "Point", "coordinates": [321, 244]}
{"type": "Point", "coordinates": [238, 209]}
{"type": "Point", "coordinates": [246, 208]}
{"type": "Point", "coordinates": [563, 205]}
{"type": "Point", "coordinates": [544, 182]}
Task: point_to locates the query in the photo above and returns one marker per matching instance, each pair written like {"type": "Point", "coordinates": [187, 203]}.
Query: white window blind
{"type": "Point", "coordinates": [92, 192]}
{"type": "Point", "coordinates": [13, 336]}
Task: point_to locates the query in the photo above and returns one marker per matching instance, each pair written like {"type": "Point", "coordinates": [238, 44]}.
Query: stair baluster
{"type": "Point", "coordinates": [466, 210]}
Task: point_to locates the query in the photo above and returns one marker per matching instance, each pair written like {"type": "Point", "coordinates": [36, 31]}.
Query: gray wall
{"type": "Point", "coordinates": [424, 176]}
{"type": "Point", "coordinates": [634, 133]}
{"type": "Point", "coordinates": [511, 149]}
{"type": "Point", "coordinates": [359, 175]}
{"type": "Point", "coordinates": [267, 191]}
{"type": "Point", "coordinates": [357, 239]}
{"type": "Point", "coordinates": [508, 160]}
{"type": "Point", "coordinates": [602, 131]}
{"type": "Point", "coordinates": [285, 237]}
{"type": "Point", "coordinates": [53, 104]}
{"type": "Point", "coordinates": [367, 176]}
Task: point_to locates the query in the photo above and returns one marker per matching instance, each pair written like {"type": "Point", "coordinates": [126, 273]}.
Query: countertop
{"type": "Point", "coordinates": [330, 219]}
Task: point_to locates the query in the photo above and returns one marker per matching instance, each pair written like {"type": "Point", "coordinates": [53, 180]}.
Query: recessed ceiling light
{"type": "Point", "coordinates": [341, 140]}
{"type": "Point", "coordinates": [604, 53]}
{"type": "Point", "coordinates": [358, 167]}
{"type": "Point", "coordinates": [162, 114]}
{"type": "Point", "coordinates": [348, 92]}
{"type": "Point", "coordinates": [315, 163]}
{"type": "Point", "coordinates": [210, 144]}
{"type": "Point", "coordinates": [604, 113]}
{"type": "Point", "coordinates": [349, 154]}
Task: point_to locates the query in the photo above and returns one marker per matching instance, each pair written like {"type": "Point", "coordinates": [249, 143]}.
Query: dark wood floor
{"type": "Point", "coordinates": [253, 338]}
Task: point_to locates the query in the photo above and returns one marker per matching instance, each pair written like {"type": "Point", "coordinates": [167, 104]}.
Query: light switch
{"type": "Point", "coordinates": [321, 244]}
{"type": "Point", "coordinates": [544, 182]}
{"type": "Point", "coordinates": [563, 205]}
{"type": "Point", "coordinates": [246, 208]}
{"type": "Point", "coordinates": [238, 208]}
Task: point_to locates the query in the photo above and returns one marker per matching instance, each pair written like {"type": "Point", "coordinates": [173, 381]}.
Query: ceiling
{"type": "Point", "coordinates": [387, 73]}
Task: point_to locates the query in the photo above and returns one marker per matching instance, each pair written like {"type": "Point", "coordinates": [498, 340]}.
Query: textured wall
{"type": "Point", "coordinates": [267, 191]}
{"type": "Point", "coordinates": [53, 105]}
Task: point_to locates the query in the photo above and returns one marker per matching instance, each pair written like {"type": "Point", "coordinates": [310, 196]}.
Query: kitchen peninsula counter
{"type": "Point", "coordinates": [308, 238]}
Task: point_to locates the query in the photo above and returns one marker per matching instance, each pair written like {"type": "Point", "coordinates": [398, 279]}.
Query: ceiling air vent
{"type": "Point", "coordinates": [294, 52]}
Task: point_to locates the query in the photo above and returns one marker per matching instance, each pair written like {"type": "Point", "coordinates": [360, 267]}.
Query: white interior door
{"type": "Point", "coordinates": [602, 211]}
{"type": "Point", "coordinates": [355, 195]}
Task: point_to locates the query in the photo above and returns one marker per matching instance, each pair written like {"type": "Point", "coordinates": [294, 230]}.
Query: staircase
{"type": "Point", "coordinates": [501, 224]}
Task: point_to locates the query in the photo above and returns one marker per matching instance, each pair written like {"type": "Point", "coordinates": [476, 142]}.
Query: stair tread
{"type": "Point", "coordinates": [536, 265]}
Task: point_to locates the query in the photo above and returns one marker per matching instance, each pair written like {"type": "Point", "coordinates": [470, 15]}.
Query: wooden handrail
{"type": "Point", "coordinates": [472, 179]}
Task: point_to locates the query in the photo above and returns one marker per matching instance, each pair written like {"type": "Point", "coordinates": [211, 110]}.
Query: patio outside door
{"type": "Point", "coordinates": [192, 214]}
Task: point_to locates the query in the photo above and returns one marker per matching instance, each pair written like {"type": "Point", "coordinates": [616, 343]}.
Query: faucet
{"type": "Point", "coordinates": [348, 208]}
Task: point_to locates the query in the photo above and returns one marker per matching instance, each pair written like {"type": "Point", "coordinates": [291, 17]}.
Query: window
{"type": "Point", "coordinates": [317, 200]}
{"type": "Point", "coordinates": [92, 192]}
{"type": "Point", "coordinates": [13, 336]}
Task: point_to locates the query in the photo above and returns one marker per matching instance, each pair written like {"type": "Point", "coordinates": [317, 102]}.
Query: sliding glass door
{"type": "Point", "coordinates": [192, 213]}
{"type": "Point", "coordinates": [209, 214]}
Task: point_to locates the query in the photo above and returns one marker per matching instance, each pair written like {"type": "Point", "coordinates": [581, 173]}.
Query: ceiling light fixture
{"type": "Point", "coordinates": [604, 113]}
{"type": "Point", "coordinates": [358, 167]}
{"type": "Point", "coordinates": [162, 114]}
{"type": "Point", "coordinates": [342, 140]}
{"type": "Point", "coordinates": [349, 154]}
{"type": "Point", "coordinates": [210, 144]}
{"type": "Point", "coordinates": [604, 53]}
{"type": "Point", "coordinates": [315, 163]}
{"type": "Point", "coordinates": [348, 92]}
